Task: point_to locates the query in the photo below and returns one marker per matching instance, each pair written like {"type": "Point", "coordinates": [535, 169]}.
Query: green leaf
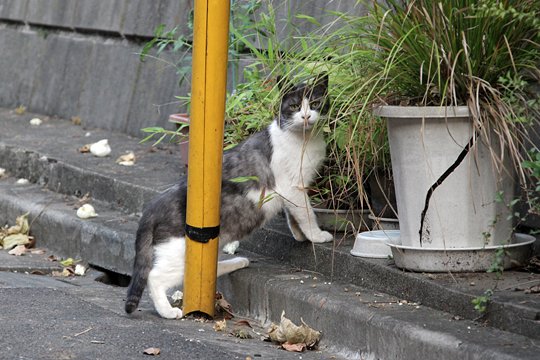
{"type": "Point", "coordinates": [68, 262]}
{"type": "Point", "coordinates": [242, 179]}
{"type": "Point", "coordinates": [310, 19]}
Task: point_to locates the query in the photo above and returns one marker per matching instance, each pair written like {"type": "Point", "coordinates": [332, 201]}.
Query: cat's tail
{"type": "Point", "coordinates": [141, 267]}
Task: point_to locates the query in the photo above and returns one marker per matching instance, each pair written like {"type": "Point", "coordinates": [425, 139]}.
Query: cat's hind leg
{"type": "Point", "coordinates": [294, 227]}
{"type": "Point", "coordinates": [167, 273]}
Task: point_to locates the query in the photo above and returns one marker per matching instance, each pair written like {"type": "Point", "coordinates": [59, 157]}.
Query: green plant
{"type": "Point", "coordinates": [533, 193]}
{"type": "Point", "coordinates": [481, 302]}
{"type": "Point", "coordinates": [497, 265]}
{"type": "Point", "coordinates": [483, 54]}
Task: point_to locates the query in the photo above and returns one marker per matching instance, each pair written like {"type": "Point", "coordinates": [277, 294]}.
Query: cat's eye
{"type": "Point", "coordinates": [315, 104]}
{"type": "Point", "coordinates": [294, 107]}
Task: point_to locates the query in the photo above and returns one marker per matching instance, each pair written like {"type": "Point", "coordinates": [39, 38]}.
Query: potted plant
{"type": "Point", "coordinates": [459, 108]}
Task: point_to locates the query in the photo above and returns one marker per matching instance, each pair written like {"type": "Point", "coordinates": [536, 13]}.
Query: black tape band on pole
{"type": "Point", "coordinates": [202, 235]}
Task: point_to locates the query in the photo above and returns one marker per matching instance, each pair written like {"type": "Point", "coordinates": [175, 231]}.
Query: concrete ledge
{"type": "Point", "coordinates": [48, 155]}
{"type": "Point", "coordinates": [363, 324]}
{"type": "Point", "coordinates": [107, 241]}
{"type": "Point", "coordinates": [508, 309]}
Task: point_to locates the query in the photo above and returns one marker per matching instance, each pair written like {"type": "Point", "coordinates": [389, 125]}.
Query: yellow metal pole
{"type": "Point", "coordinates": [209, 80]}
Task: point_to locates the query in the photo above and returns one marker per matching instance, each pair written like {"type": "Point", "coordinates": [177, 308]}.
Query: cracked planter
{"type": "Point", "coordinates": [444, 204]}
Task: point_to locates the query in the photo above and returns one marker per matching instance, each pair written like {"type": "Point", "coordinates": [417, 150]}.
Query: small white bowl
{"type": "Point", "coordinates": [373, 244]}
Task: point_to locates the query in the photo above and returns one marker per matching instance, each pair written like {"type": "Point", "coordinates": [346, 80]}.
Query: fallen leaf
{"type": "Point", "coordinates": [125, 159]}
{"type": "Point", "coordinates": [126, 163]}
{"type": "Point", "coordinates": [223, 306]}
{"type": "Point", "coordinates": [288, 332]}
{"type": "Point", "coordinates": [241, 333]}
{"type": "Point", "coordinates": [243, 323]}
{"type": "Point", "coordinates": [21, 225]}
{"type": "Point", "coordinates": [85, 148]}
{"type": "Point", "coordinates": [18, 250]}
{"type": "Point", "coordinates": [293, 347]}
{"type": "Point", "coordinates": [533, 290]}
{"type": "Point", "coordinates": [76, 120]}
{"type": "Point", "coordinates": [52, 258]}
{"type": "Point", "coordinates": [152, 351]}
{"type": "Point", "coordinates": [67, 262]}
{"type": "Point", "coordinates": [220, 325]}
{"type": "Point", "coordinates": [64, 273]}
{"type": "Point", "coordinates": [19, 110]}
{"type": "Point", "coordinates": [10, 241]}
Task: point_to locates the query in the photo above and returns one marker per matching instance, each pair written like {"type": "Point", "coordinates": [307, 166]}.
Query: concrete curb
{"type": "Point", "coordinates": [107, 241]}
{"type": "Point", "coordinates": [369, 325]}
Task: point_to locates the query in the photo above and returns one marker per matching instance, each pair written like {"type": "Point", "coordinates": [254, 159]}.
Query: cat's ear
{"type": "Point", "coordinates": [283, 84]}
{"type": "Point", "coordinates": [322, 80]}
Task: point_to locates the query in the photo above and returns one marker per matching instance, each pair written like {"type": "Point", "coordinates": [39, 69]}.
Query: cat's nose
{"type": "Point", "coordinates": [306, 117]}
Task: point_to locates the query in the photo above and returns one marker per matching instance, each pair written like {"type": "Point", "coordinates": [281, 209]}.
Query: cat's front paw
{"type": "Point", "coordinates": [172, 313]}
{"type": "Point", "coordinates": [242, 262]}
{"type": "Point", "coordinates": [322, 237]}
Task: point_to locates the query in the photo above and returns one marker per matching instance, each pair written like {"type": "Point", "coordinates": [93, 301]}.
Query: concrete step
{"type": "Point", "coordinates": [356, 322]}
{"type": "Point", "coordinates": [106, 241]}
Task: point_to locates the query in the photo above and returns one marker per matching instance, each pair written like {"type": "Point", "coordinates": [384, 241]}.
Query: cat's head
{"type": "Point", "coordinates": [303, 105]}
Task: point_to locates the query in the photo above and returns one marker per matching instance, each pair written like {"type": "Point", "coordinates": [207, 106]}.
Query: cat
{"type": "Point", "coordinates": [277, 164]}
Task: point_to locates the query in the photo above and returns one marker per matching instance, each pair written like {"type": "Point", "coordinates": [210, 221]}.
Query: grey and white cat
{"type": "Point", "coordinates": [284, 159]}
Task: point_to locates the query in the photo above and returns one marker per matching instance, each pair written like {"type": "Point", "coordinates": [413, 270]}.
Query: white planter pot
{"type": "Point", "coordinates": [462, 212]}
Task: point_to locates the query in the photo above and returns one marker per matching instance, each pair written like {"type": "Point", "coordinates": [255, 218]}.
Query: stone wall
{"type": "Point", "coordinates": [80, 58]}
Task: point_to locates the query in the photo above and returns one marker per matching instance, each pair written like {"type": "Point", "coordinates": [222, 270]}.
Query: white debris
{"type": "Point", "coordinates": [88, 134]}
{"type": "Point", "coordinates": [100, 148]}
{"type": "Point", "coordinates": [2, 172]}
{"type": "Point", "coordinates": [36, 122]}
{"type": "Point", "coordinates": [177, 295]}
{"type": "Point", "coordinates": [231, 247]}
{"type": "Point", "coordinates": [86, 211]}
{"type": "Point", "coordinates": [80, 270]}
{"type": "Point", "coordinates": [22, 181]}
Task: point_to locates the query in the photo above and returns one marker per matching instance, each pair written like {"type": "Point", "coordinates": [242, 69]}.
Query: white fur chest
{"type": "Point", "coordinates": [295, 159]}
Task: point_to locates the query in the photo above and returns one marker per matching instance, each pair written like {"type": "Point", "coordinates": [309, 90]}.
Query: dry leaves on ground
{"type": "Point", "coordinates": [126, 159]}
{"type": "Point", "coordinates": [220, 325]}
{"type": "Point", "coordinates": [152, 351]}
{"type": "Point", "coordinates": [223, 307]}
{"type": "Point", "coordinates": [17, 234]}
{"type": "Point", "coordinates": [17, 250]}
{"type": "Point", "coordinates": [71, 268]}
{"type": "Point", "coordinates": [292, 337]}
{"type": "Point", "coordinates": [20, 110]}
